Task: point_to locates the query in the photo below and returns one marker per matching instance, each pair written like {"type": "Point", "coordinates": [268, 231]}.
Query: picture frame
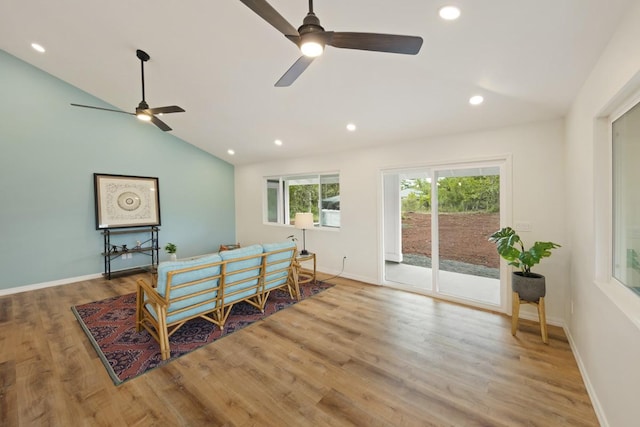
{"type": "Point", "coordinates": [123, 201]}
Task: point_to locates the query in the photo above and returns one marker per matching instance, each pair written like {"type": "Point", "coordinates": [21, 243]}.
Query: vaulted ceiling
{"type": "Point", "coordinates": [219, 61]}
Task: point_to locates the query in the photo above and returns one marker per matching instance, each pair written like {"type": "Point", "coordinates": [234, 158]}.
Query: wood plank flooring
{"type": "Point", "coordinates": [354, 355]}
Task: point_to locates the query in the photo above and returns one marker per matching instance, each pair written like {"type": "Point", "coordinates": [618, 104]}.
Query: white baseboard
{"type": "Point", "coordinates": [597, 407]}
{"type": "Point", "coordinates": [337, 273]}
{"type": "Point", "coordinates": [43, 285]}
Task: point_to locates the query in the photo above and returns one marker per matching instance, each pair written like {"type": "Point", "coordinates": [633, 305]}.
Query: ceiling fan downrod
{"type": "Point", "coordinates": [144, 57]}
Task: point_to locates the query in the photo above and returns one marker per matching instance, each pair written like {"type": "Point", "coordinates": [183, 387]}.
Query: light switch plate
{"type": "Point", "coordinates": [523, 226]}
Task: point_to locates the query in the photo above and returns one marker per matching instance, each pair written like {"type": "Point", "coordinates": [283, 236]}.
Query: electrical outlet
{"type": "Point", "coordinates": [123, 256]}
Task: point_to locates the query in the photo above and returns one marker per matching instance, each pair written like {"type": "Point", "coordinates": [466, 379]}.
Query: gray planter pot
{"type": "Point", "coordinates": [530, 288]}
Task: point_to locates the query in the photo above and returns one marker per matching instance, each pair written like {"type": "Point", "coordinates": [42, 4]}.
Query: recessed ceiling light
{"type": "Point", "coordinates": [278, 142]}
{"type": "Point", "coordinates": [351, 127]}
{"type": "Point", "coordinates": [231, 152]}
{"type": "Point", "coordinates": [449, 13]}
{"type": "Point", "coordinates": [37, 47]}
{"type": "Point", "coordinates": [476, 100]}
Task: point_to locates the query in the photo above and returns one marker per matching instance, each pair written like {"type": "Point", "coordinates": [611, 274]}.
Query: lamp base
{"type": "Point", "coordinates": [304, 252]}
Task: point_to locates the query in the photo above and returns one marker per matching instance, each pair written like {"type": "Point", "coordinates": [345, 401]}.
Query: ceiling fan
{"type": "Point", "coordinates": [311, 38]}
{"type": "Point", "coordinates": [143, 112]}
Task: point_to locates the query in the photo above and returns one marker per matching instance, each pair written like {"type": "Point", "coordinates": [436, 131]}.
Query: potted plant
{"type": "Point", "coordinates": [529, 286]}
{"type": "Point", "coordinates": [171, 250]}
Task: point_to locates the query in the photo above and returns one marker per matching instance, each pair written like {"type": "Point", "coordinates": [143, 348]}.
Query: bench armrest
{"type": "Point", "coordinates": [151, 293]}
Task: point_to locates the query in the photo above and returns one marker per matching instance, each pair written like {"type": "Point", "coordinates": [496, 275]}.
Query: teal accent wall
{"type": "Point", "coordinates": [49, 152]}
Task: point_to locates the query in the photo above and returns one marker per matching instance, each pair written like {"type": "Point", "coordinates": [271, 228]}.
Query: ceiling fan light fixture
{"type": "Point", "coordinates": [143, 116]}
{"type": "Point", "coordinates": [311, 41]}
{"type": "Point", "coordinates": [311, 48]}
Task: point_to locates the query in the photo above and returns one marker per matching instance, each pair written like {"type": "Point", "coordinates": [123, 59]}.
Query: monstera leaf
{"type": "Point", "coordinates": [511, 248]}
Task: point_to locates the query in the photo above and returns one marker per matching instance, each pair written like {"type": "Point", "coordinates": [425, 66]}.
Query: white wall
{"type": "Point", "coordinates": [537, 151]}
{"type": "Point", "coordinates": [605, 340]}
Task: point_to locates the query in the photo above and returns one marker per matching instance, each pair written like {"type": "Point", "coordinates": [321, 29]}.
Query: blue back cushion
{"type": "Point", "coordinates": [278, 278]}
{"type": "Point", "coordinates": [181, 278]}
{"type": "Point", "coordinates": [167, 266]}
{"type": "Point", "coordinates": [231, 280]}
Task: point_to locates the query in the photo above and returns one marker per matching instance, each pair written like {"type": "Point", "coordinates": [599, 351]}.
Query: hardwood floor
{"type": "Point", "coordinates": [355, 354]}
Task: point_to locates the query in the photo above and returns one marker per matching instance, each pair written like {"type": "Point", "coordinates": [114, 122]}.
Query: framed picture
{"type": "Point", "coordinates": [126, 201]}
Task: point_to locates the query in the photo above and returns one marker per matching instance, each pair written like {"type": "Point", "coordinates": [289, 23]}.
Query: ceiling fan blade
{"type": "Point", "coordinates": [391, 43]}
{"type": "Point", "coordinates": [269, 14]}
{"type": "Point", "coordinates": [162, 125]}
{"type": "Point", "coordinates": [103, 109]}
{"type": "Point", "coordinates": [165, 110]}
{"type": "Point", "coordinates": [294, 38]}
{"type": "Point", "coordinates": [294, 71]}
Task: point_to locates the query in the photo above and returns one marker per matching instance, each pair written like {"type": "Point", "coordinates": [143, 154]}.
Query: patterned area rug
{"type": "Point", "coordinates": [125, 353]}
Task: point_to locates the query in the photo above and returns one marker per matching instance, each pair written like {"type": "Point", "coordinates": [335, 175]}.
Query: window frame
{"type": "Point", "coordinates": [282, 198]}
{"type": "Point", "coordinates": [618, 236]}
{"type": "Point", "coordinates": [626, 300]}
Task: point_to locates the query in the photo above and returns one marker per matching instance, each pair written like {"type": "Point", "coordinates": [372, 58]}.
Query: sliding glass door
{"type": "Point", "coordinates": [466, 211]}
{"type": "Point", "coordinates": [436, 224]}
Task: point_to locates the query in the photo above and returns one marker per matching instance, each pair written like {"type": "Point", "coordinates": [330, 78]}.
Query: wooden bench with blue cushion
{"type": "Point", "coordinates": [207, 287]}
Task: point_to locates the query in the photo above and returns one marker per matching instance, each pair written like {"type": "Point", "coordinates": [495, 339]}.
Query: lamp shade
{"type": "Point", "coordinates": [304, 220]}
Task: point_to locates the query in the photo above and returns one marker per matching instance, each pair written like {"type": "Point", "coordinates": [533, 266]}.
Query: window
{"type": "Point", "coordinates": [318, 194]}
{"type": "Point", "coordinates": [626, 199]}
{"type": "Point", "coordinates": [617, 213]}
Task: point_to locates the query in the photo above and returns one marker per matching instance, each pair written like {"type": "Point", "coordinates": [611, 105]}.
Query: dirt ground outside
{"type": "Point", "coordinates": [463, 237]}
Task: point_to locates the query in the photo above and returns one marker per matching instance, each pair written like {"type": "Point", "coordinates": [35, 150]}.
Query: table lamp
{"type": "Point", "coordinates": [304, 221]}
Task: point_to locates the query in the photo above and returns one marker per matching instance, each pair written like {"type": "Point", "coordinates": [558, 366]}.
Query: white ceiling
{"type": "Point", "coordinates": [219, 61]}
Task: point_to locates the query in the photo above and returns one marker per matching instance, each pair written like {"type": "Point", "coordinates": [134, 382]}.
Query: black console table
{"type": "Point", "coordinates": [113, 249]}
